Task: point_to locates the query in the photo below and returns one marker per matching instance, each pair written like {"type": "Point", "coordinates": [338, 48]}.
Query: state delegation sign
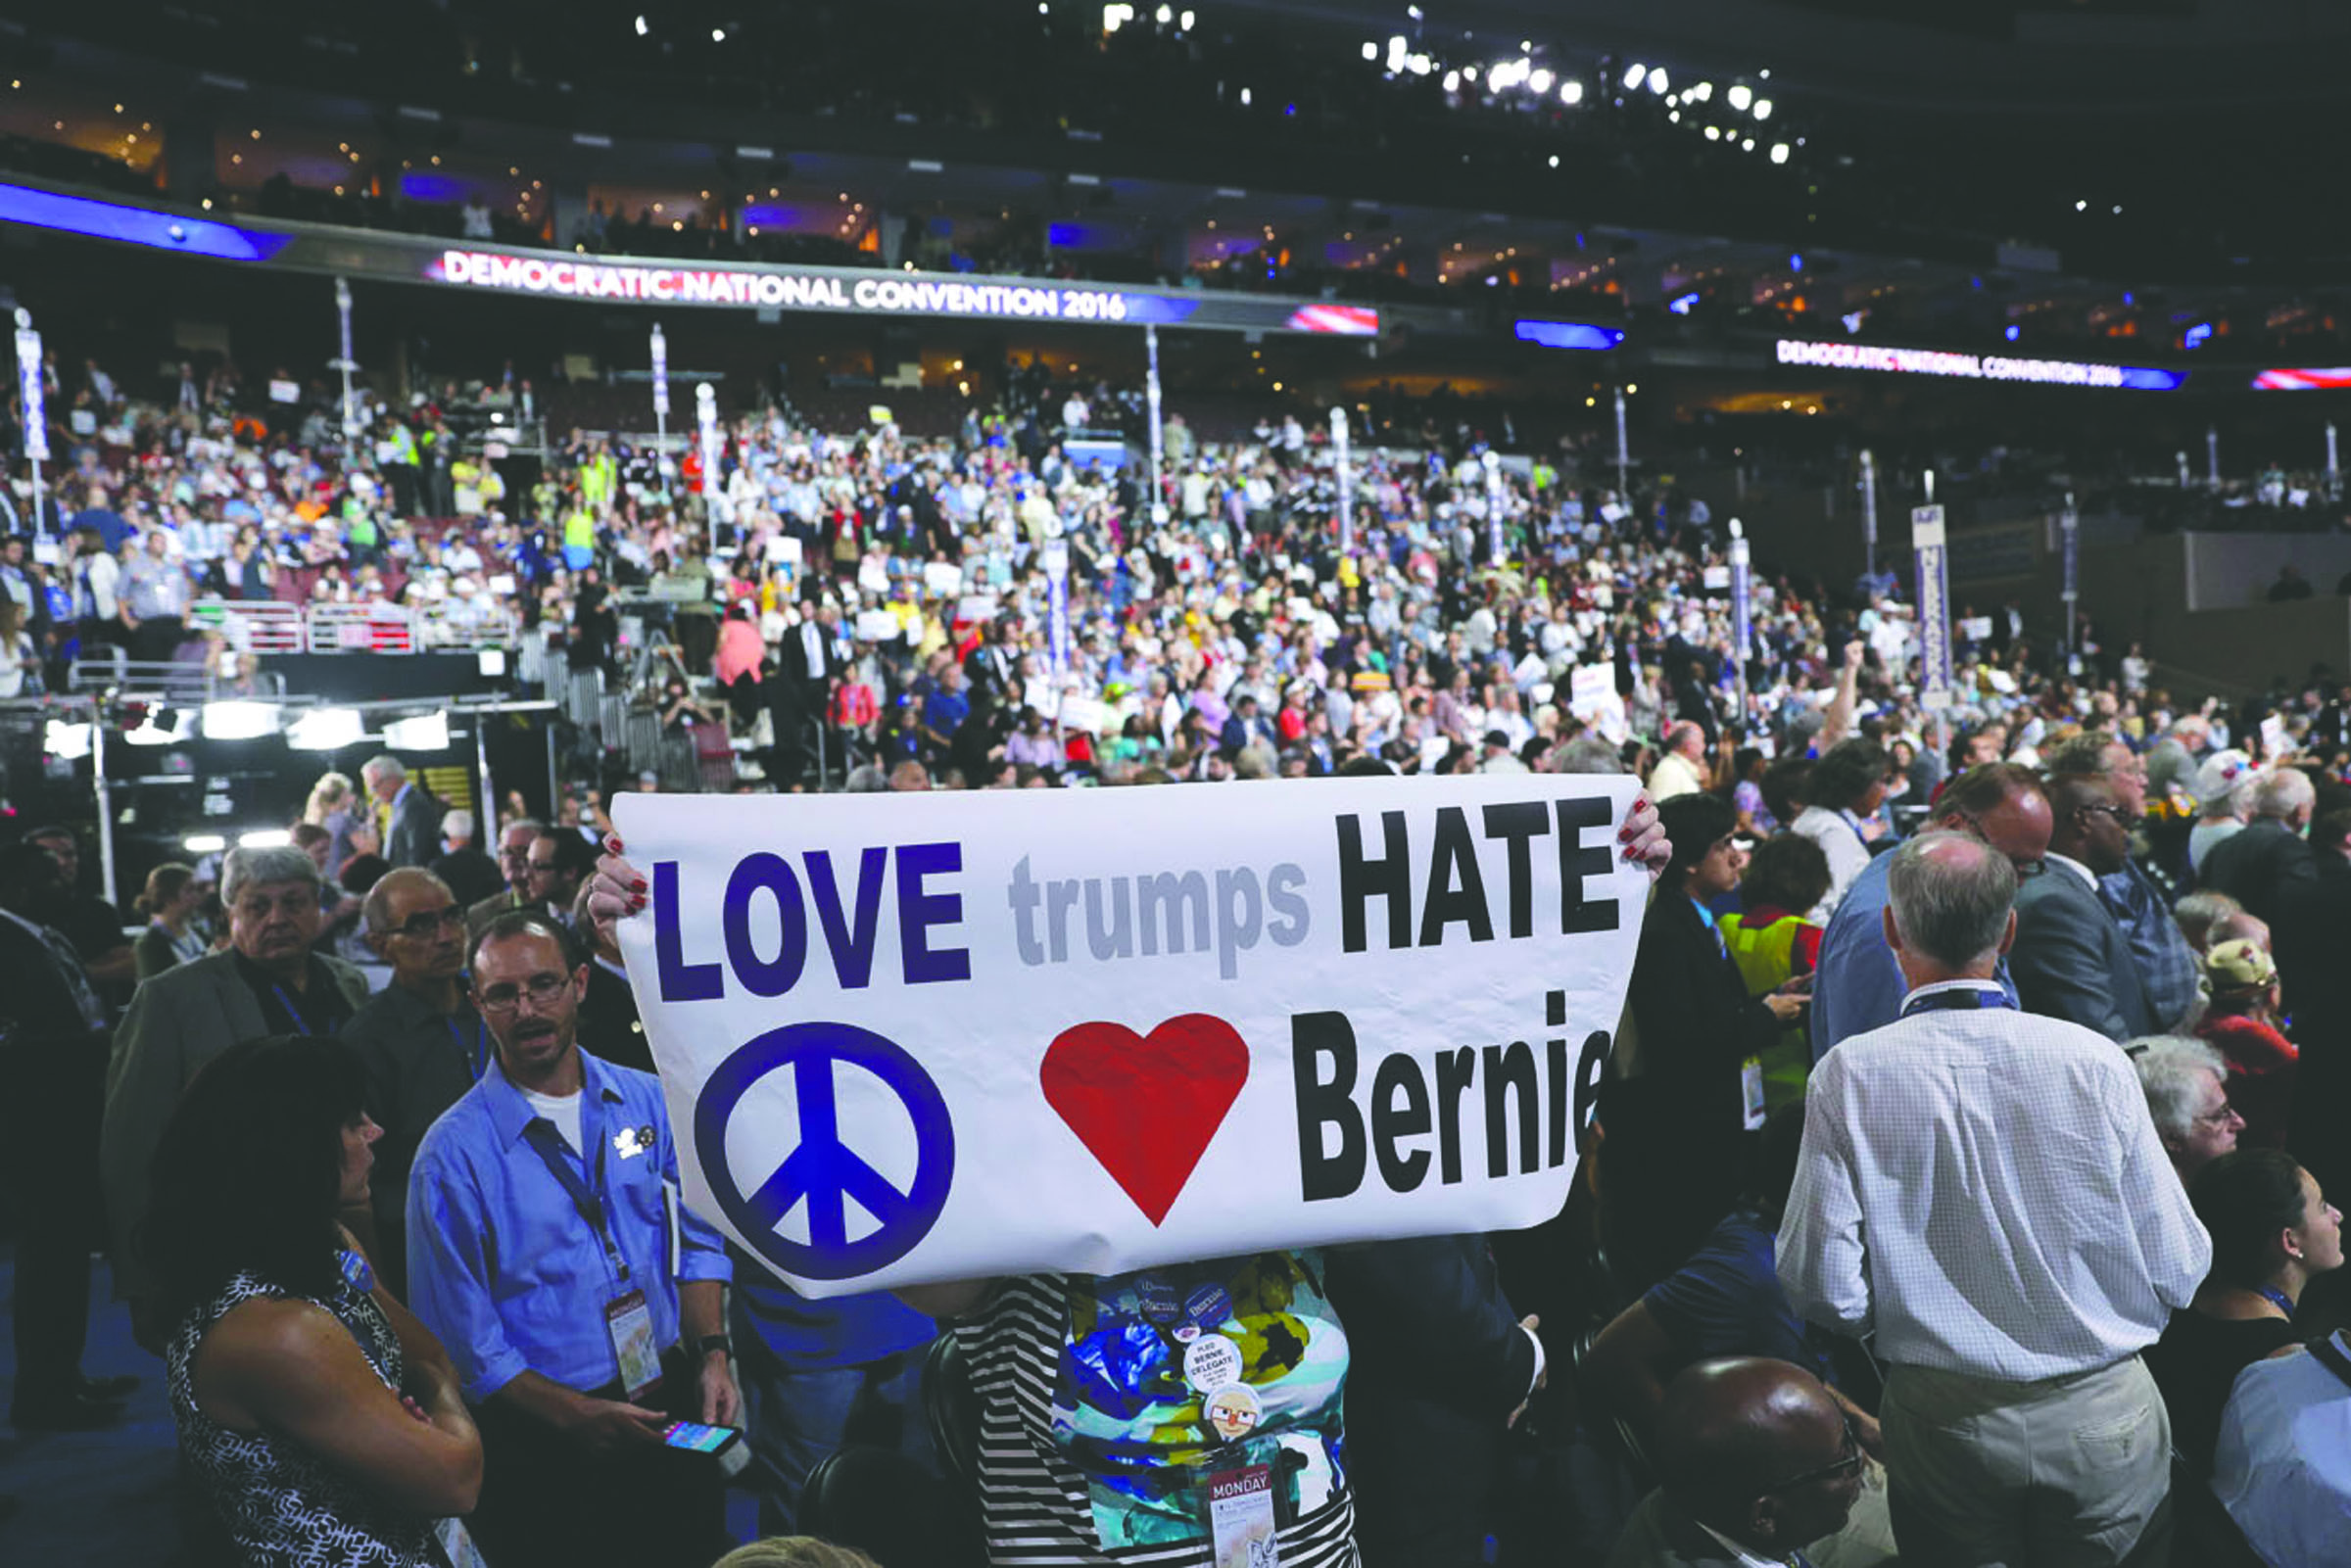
{"type": "Point", "coordinates": [908, 1038]}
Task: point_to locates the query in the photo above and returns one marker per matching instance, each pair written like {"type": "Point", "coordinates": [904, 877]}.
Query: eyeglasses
{"type": "Point", "coordinates": [2118, 813]}
{"type": "Point", "coordinates": [448, 917]}
{"type": "Point", "coordinates": [2220, 1116]}
{"type": "Point", "coordinates": [542, 989]}
{"type": "Point", "coordinates": [1849, 1465]}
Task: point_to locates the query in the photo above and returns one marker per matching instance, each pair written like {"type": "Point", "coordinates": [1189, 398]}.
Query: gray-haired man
{"type": "Point", "coordinates": [267, 983]}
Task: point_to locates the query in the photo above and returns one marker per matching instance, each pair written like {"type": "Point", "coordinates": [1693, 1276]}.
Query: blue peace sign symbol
{"type": "Point", "coordinates": [823, 1170]}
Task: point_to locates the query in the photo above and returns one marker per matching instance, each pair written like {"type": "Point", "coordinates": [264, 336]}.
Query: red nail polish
{"type": "Point", "coordinates": [638, 884]}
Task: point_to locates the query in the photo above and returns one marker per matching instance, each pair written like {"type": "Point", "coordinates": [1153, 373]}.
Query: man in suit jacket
{"type": "Point", "coordinates": [2257, 866]}
{"type": "Point", "coordinates": [1757, 1464]}
{"type": "Point", "coordinates": [267, 983]}
{"type": "Point", "coordinates": [52, 1050]}
{"type": "Point", "coordinates": [413, 832]}
{"type": "Point", "coordinates": [1439, 1368]}
{"type": "Point", "coordinates": [2072, 958]}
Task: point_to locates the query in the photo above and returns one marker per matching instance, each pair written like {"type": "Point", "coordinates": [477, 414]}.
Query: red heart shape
{"type": "Point", "coordinates": [1146, 1105]}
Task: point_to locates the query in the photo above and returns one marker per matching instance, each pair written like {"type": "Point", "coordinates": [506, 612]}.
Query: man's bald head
{"type": "Point", "coordinates": [1756, 1450]}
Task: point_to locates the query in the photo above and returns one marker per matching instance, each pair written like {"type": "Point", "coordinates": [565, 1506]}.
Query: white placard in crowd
{"type": "Point", "coordinates": [1716, 578]}
{"type": "Point", "coordinates": [943, 579]}
{"type": "Point", "coordinates": [910, 1039]}
{"type": "Point", "coordinates": [1976, 629]}
{"type": "Point", "coordinates": [877, 626]}
{"type": "Point", "coordinates": [972, 609]}
{"type": "Point", "coordinates": [784, 550]}
{"type": "Point", "coordinates": [1081, 713]}
{"type": "Point", "coordinates": [1591, 697]}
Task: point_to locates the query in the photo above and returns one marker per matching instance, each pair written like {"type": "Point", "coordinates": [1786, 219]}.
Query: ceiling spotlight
{"type": "Point", "coordinates": [1763, 109]}
{"type": "Point", "coordinates": [1452, 81]}
{"type": "Point", "coordinates": [1540, 81]}
{"type": "Point", "coordinates": [641, 28]}
{"type": "Point", "coordinates": [2081, 206]}
{"type": "Point", "coordinates": [1657, 81]}
{"type": "Point", "coordinates": [1779, 152]}
{"type": "Point", "coordinates": [1740, 96]}
{"type": "Point", "coordinates": [1632, 77]}
{"type": "Point", "coordinates": [1571, 91]}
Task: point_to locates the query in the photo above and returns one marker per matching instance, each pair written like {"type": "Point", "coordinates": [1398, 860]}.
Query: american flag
{"type": "Point", "coordinates": [2330, 380]}
{"type": "Point", "coordinates": [1350, 321]}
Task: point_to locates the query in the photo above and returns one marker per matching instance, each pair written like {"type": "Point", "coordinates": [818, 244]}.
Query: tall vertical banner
{"type": "Point", "coordinates": [1156, 508]}
{"type": "Point", "coordinates": [1343, 460]}
{"type": "Point", "coordinates": [1934, 606]}
{"type": "Point", "coordinates": [30, 393]}
{"type": "Point", "coordinates": [1869, 517]}
{"type": "Point", "coordinates": [916, 1038]}
{"type": "Point", "coordinates": [1496, 550]}
{"type": "Point", "coordinates": [1742, 626]}
{"type": "Point", "coordinates": [2069, 533]}
{"type": "Point", "coordinates": [660, 369]}
{"type": "Point", "coordinates": [1057, 604]}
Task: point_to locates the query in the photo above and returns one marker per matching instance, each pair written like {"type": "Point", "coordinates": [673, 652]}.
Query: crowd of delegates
{"type": "Point", "coordinates": [1969, 1053]}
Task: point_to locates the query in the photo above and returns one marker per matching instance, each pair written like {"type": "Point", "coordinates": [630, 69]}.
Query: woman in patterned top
{"type": "Point", "coordinates": [323, 1422]}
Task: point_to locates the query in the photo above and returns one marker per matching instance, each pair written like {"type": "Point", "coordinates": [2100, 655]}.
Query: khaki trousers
{"type": "Point", "coordinates": [2071, 1472]}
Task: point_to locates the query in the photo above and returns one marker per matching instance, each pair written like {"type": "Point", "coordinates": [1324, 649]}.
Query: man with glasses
{"type": "Point", "coordinates": [1859, 987]}
{"type": "Point", "coordinates": [559, 861]}
{"type": "Point", "coordinates": [1755, 1463]}
{"type": "Point", "coordinates": [420, 1039]}
{"type": "Point", "coordinates": [267, 983]}
{"type": "Point", "coordinates": [514, 860]}
{"type": "Point", "coordinates": [583, 1306]}
{"type": "Point", "coordinates": [1984, 1193]}
{"type": "Point", "coordinates": [2072, 959]}
{"type": "Point", "coordinates": [2168, 970]}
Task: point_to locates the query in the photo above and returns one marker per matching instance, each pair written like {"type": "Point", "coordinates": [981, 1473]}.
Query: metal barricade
{"type": "Point", "coordinates": [441, 624]}
{"type": "Point", "coordinates": [106, 672]}
{"type": "Point", "coordinates": [644, 740]}
{"type": "Point", "coordinates": [362, 629]}
{"type": "Point", "coordinates": [612, 720]}
{"type": "Point", "coordinates": [258, 627]}
{"type": "Point", "coordinates": [581, 697]}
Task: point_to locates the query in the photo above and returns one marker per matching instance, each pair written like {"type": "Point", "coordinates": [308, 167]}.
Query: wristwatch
{"type": "Point", "coordinates": [714, 1341]}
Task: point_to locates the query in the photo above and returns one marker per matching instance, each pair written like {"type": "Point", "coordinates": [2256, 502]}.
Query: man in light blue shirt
{"type": "Point", "coordinates": [1859, 988]}
{"type": "Point", "coordinates": [583, 1306]}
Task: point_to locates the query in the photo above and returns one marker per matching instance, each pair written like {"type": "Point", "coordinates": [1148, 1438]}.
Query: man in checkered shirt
{"type": "Point", "coordinates": [1983, 1193]}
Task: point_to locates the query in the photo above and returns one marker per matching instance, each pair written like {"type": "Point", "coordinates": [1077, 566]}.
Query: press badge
{"type": "Point", "coordinates": [1240, 1518]}
{"type": "Point", "coordinates": [1751, 1092]}
{"type": "Point", "coordinates": [631, 1323]}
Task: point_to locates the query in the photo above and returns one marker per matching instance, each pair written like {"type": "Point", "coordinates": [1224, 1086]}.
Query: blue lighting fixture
{"type": "Point", "coordinates": [135, 226]}
{"type": "Point", "coordinates": [2012, 332]}
{"type": "Point", "coordinates": [2198, 336]}
{"type": "Point", "coordinates": [1796, 264]}
{"type": "Point", "coordinates": [1684, 305]}
{"type": "Point", "coordinates": [1567, 335]}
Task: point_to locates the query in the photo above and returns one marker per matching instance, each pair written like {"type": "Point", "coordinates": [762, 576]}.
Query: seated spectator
{"type": "Point", "coordinates": [2278, 1467]}
{"type": "Point", "coordinates": [313, 1411]}
{"type": "Point", "coordinates": [1772, 943]}
{"type": "Point", "coordinates": [2241, 1019]}
{"type": "Point", "coordinates": [1756, 1463]}
{"type": "Point", "coordinates": [268, 981]}
{"type": "Point", "coordinates": [2272, 1232]}
{"type": "Point", "coordinates": [2186, 1084]}
{"type": "Point", "coordinates": [1725, 1301]}
{"type": "Point", "coordinates": [1845, 790]}
{"type": "Point", "coordinates": [173, 895]}
{"type": "Point", "coordinates": [2199, 912]}
{"type": "Point", "coordinates": [1682, 770]}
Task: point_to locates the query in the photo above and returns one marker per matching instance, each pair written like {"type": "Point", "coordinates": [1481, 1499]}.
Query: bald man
{"type": "Point", "coordinates": [1755, 1464]}
{"type": "Point", "coordinates": [419, 1038]}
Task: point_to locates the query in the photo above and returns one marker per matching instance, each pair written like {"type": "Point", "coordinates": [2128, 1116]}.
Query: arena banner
{"type": "Point", "coordinates": [907, 1038]}
{"type": "Point", "coordinates": [532, 272]}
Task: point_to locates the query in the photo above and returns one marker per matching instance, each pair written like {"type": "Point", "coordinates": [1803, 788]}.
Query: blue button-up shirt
{"type": "Point", "coordinates": [501, 1264]}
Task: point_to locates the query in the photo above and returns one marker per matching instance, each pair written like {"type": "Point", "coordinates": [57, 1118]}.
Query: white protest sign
{"type": "Point", "coordinates": [877, 626]}
{"type": "Point", "coordinates": [1591, 697]}
{"type": "Point", "coordinates": [911, 1038]}
{"type": "Point", "coordinates": [943, 579]}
